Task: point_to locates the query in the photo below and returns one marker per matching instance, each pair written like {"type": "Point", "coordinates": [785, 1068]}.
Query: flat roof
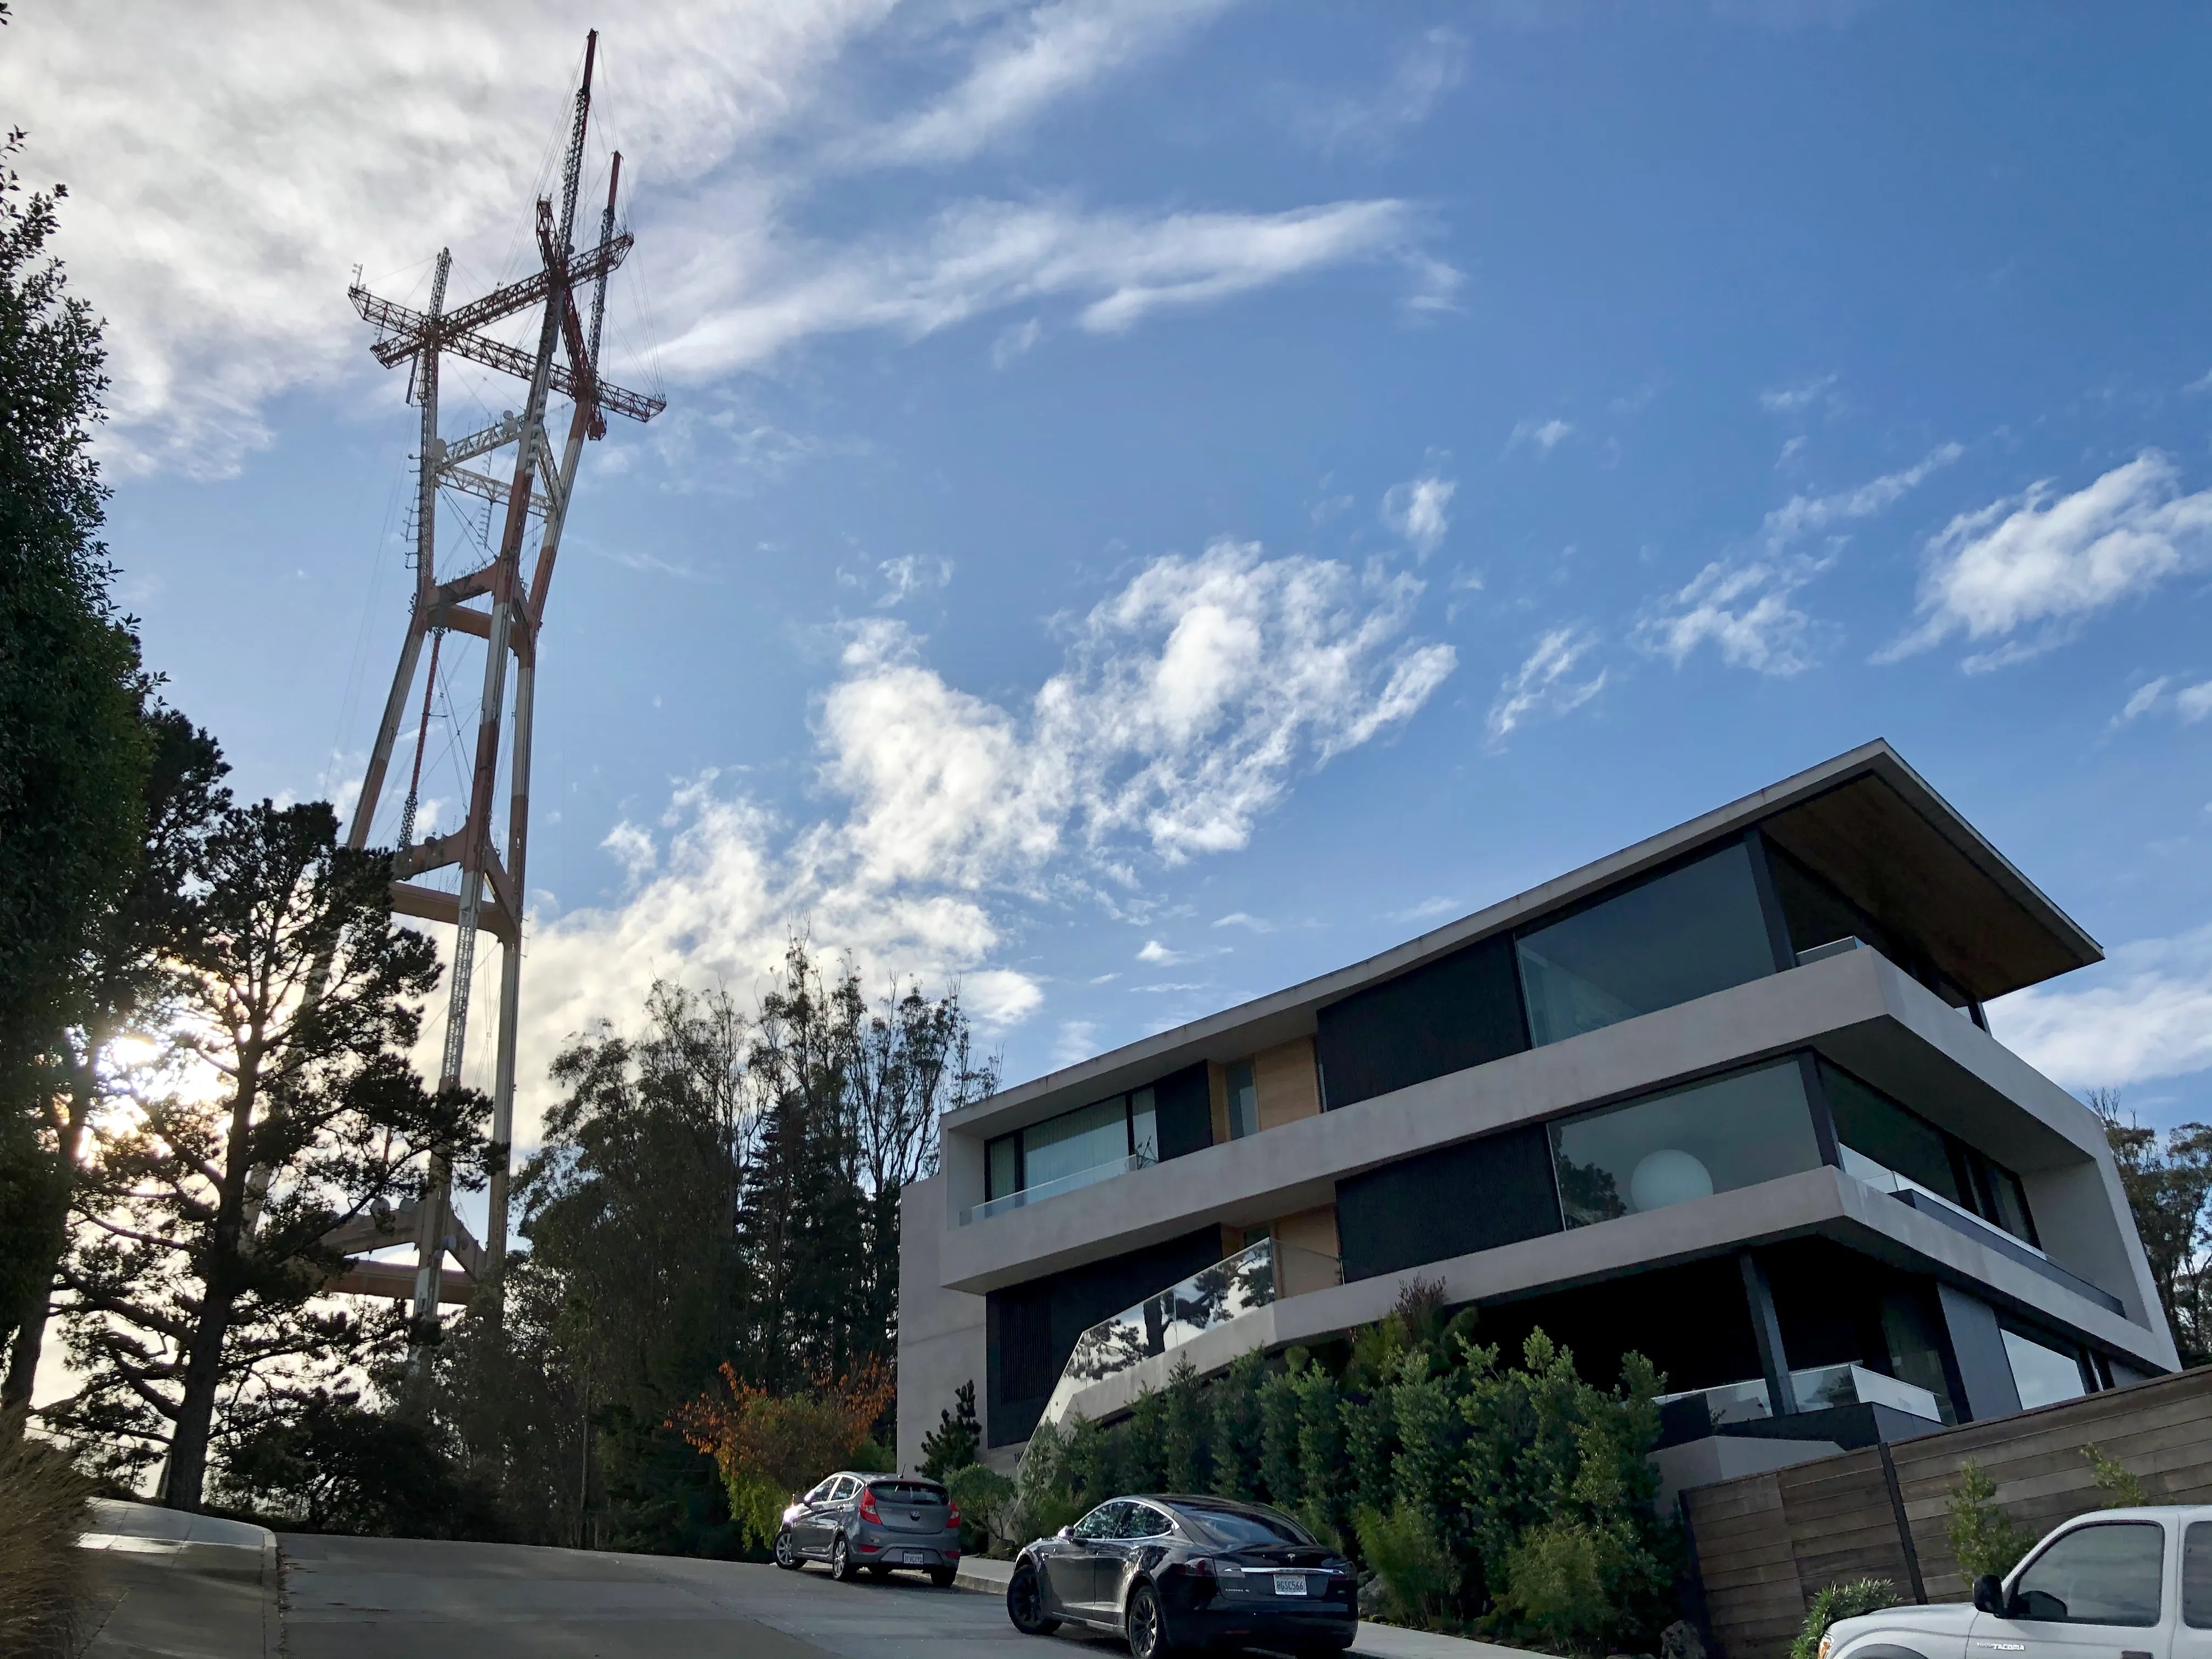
{"type": "Point", "coordinates": [1864, 820]}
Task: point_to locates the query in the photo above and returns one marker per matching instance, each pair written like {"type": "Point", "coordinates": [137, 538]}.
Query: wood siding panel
{"type": "Point", "coordinates": [1766, 1543]}
{"type": "Point", "coordinates": [1286, 1084]}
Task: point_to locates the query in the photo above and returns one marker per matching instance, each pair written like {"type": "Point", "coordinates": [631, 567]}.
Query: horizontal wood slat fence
{"type": "Point", "coordinates": [1765, 1543]}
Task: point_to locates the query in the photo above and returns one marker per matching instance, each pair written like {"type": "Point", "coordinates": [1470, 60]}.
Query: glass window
{"type": "Point", "coordinates": [821, 1493]}
{"type": "Point", "coordinates": [2197, 1576]}
{"type": "Point", "coordinates": [1099, 1523]}
{"type": "Point", "coordinates": [1243, 1102]}
{"type": "Point", "coordinates": [1141, 1521]}
{"type": "Point", "coordinates": [1235, 1527]}
{"type": "Point", "coordinates": [2008, 1202]}
{"type": "Point", "coordinates": [2106, 1574]}
{"type": "Point", "coordinates": [1877, 1128]}
{"type": "Point", "coordinates": [1002, 1169]}
{"type": "Point", "coordinates": [1144, 1126]}
{"type": "Point", "coordinates": [1075, 1141]}
{"type": "Point", "coordinates": [1688, 1143]}
{"type": "Point", "coordinates": [846, 1486]}
{"type": "Point", "coordinates": [2044, 1374]}
{"type": "Point", "coordinates": [1697, 930]}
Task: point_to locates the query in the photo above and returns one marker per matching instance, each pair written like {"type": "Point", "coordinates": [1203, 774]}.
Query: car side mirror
{"type": "Point", "coordinates": [1064, 1531]}
{"type": "Point", "coordinates": [1989, 1594]}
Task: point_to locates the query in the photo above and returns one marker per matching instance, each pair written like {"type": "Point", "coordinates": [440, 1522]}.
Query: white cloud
{"type": "Point", "coordinates": [1743, 604]}
{"type": "Point", "coordinates": [1540, 685]}
{"type": "Point", "coordinates": [1427, 68]}
{"type": "Point", "coordinates": [1806, 514]}
{"type": "Point", "coordinates": [1796, 398]}
{"type": "Point", "coordinates": [1742, 607]}
{"type": "Point", "coordinates": [1154, 951]}
{"type": "Point", "coordinates": [1015, 340]}
{"type": "Point", "coordinates": [1546, 436]}
{"type": "Point", "coordinates": [1416, 510]}
{"type": "Point", "coordinates": [230, 162]}
{"type": "Point", "coordinates": [1189, 702]}
{"type": "Point", "coordinates": [907, 575]}
{"type": "Point", "coordinates": [1045, 54]}
{"type": "Point", "coordinates": [2145, 1013]}
{"type": "Point", "coordinates": [1244, 918]}
{"type": "Point", "coordinates": [1429, 909]}
{"type": "Point", "coordinates": [2031, 562]}
{"type": "Point", "coordinates": [2190, 704]}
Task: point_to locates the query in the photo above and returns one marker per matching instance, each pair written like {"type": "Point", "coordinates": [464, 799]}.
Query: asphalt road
{"type": "Point", "coordinates": [382, 1598]}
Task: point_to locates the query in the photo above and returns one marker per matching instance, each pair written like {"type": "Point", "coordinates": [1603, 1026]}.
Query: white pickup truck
{"type": "Point", "coordinates": [2112, 1584]}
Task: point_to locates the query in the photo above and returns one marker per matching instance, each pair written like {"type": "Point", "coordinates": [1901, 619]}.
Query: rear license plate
{"type": "Point", "coordinates": [1289, 1584]}
{"type": "Point", "coordinates": [914, 1558]}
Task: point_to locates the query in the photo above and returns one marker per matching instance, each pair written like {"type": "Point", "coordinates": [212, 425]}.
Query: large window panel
{"type": "Point", "coordinates": [1679, 936]}
{"type": "Point", "coordinates": [1075, 1141]}
{"type": "Point", "coordinates": [1689, 1143]}
{"type": "Point", "coordinates": [1871, 1124]}
{"type": "Point", "coordinates": [2044, 1374]}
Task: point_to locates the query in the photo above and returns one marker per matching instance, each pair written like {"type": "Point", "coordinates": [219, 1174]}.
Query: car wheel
{"type": "Point", "coordinates": [943, 1577]}
{"type": "Point", "coordinates": [1026, 1603]}
{"type": "Point", "coordinates": [841, 1561]}
{"type": "Point", "coordinates": [1147, 1625]}
{"type": "Point", "coordinates": [786, 1557]}
{"type": "Point", "coordinates": [876, 1571]}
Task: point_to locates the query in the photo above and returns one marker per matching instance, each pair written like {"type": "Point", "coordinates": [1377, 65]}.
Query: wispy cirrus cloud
{"type": "Point", "coordinates": [2026, 571]}
{"type": "Point", "coordinates": [1745, 604]}
{"type": "Point", "coordinates": [230, 164]}
{"type": "Point", "coordinates": [1542, 685]}
{"type": "Point", "coordinates": [1418, 510]}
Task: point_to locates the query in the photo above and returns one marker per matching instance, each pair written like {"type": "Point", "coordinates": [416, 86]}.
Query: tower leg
{"type": "Point", "coordinates": [395, 710]}
{"type": "Point", "coordinates": [510, 972]}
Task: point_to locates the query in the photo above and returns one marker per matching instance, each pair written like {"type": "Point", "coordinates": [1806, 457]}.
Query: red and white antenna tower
{"type": "Point", "coordinates": [489, 895]}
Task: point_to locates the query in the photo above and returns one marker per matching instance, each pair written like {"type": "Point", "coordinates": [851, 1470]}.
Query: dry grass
{"type": "Point", "coordinates": [43, 1507]}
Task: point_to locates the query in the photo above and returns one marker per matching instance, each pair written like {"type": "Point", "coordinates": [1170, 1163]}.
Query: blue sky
{"type": "Point", "coordinates": [1159, 501]}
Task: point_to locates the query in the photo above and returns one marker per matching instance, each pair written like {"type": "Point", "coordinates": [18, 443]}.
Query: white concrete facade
{"type": "Point", "coordinates": [1856, 1009]}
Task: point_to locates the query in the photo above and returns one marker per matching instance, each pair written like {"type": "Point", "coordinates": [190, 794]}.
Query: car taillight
{"type": "Point", "coordinates": [1201, 1568]}
{"type": "Point", "coordinates": [868, 1510]}
{"type": "Point", "coordinates": [952, 1515]}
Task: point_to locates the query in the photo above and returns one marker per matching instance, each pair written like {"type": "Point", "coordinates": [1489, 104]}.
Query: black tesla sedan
{"type": "Point", "coordinates": [1175, 1572]}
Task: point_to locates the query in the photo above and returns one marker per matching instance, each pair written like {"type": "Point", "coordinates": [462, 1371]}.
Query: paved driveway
{"type": "Point", "coordinates": [376, 1598]}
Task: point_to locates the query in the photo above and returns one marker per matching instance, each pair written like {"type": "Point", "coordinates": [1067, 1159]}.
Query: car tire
{"type": "Point", "coordinates": [1147, 1625]}
{"type": "Point", "coordinates": [840, 1562]}
{"type": "Point", "coordinates": [878, 1571]}
{"type": "Point", "coordinates": [786, 1553]}
{"type": "Point", "coordinates": [1026, 1602]}
{"type": "Point", "coordinates": [943, 1577]}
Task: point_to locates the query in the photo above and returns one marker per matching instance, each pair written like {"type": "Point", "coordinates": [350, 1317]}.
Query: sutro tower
{"type": "Point", "coordinates": [490, 895]}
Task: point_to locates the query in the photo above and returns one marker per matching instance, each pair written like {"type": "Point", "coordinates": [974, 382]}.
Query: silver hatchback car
{"type": "Point", "coordinates": [877, 1523]}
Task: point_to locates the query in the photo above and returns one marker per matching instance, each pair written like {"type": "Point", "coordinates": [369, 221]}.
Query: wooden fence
{"type": "Point", "coordinates": [1764, 1543]}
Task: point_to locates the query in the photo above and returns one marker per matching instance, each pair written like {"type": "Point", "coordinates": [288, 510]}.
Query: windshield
{"type": "Point", "coordinates": [1236, 1527]}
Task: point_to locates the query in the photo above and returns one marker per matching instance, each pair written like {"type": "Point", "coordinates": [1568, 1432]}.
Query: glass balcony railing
{"type": "Point", "coordinates": [1067, 1183]}
{"type": "Point", "coordinates": [1248, 1281]}
{"type": "Point", "coordinates": [1815, 1386]}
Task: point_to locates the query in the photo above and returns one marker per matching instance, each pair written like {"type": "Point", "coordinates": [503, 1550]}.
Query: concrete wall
{"type": "Point", "coordinates": [941, 1335]}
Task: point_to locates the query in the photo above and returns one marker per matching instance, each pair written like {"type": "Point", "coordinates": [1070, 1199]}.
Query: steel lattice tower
{"type": "Point", "coordinates": [489, 897]}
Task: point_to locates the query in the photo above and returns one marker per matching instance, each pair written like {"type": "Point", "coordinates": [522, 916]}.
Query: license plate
{"type": "Point", "coordinates": [1289, 1584]}
{"type": "Point", "coordinates": [914, 1558]}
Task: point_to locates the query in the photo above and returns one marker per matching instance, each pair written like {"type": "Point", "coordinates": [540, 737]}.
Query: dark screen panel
{"type": "Point", "coordinates": [1183, 1112]}
{"type": "Point", "coordinates": [1031, 1328]}
{"type": "Point", "coordinates": [1460, 1010]}
{"type": "Point", "coordinates": [1453, 1201]}
{"type": "Point", "coordinates": [1690, 1321]}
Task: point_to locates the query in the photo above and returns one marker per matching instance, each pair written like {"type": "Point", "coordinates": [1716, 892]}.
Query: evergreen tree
{"type": "Point", "coordinates": [73, 751]}
{"type": "Point", "coordinates": [953, 1444]}
{"type": "Point", "coordinates": [280, 1105]}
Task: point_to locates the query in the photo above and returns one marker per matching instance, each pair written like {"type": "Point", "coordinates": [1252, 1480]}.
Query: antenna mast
{"type": "Point", "coordinates": [490, 895]}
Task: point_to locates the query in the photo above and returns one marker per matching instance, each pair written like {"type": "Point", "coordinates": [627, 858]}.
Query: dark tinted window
{"type": "Point", "coordinates": [1141, 1521]}
{"type": "Point", "coordinates": [1686, 1144]}
{"type": "Point", "coordinates": [1682, 935]}
{"type": "Point", "coordinates": [2197, 1576]}
{"type": "Point", "coordinates": [1453, 1201]}
{"type": "Point", "coordinates": [1877, 1128]}
{"type": "Point", "coordinates": [1445, 1015]}
{"type": "Point", "coordinates": [2101, 1575]}
{"type": "Point", "coordinates": [1236, 1527]}
{"type": "Point", "coordinates": [1100, 1522]}
{"type": "Point", "coordinates": [906, 1492]}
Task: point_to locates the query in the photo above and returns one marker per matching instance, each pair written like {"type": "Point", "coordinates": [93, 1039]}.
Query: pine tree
{"type": "Point", "coordinates": [953, 1444]}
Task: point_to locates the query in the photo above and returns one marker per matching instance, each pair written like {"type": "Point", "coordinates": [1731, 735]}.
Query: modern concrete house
{"type": "Point", "coordinates": [1726, 1097]}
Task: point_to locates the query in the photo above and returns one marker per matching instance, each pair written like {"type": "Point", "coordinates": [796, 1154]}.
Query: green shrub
{"type": "Point", "coordinates": [1845, 1600]}
{"type": "Point", "coordinates": [1555, 1585]}
{"type": "Point", "coordinates": [987, 1504]}
{"type": "Point", "coordinates": [1419, 1577]}
{"type": "Point", "coordinates": [2121, 1489]}
{"type": "Point", "coordinates": [953, 1444]}
{"type": "Point", "coordinates": [1983, 1539]}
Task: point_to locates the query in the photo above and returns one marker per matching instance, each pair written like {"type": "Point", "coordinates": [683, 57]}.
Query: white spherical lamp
{"type": "Point", "coordinates": [1668, 1177]}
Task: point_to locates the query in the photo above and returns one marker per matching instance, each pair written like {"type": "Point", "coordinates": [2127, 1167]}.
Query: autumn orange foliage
{"type": "Point", "coordinates": [770, 1447]}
